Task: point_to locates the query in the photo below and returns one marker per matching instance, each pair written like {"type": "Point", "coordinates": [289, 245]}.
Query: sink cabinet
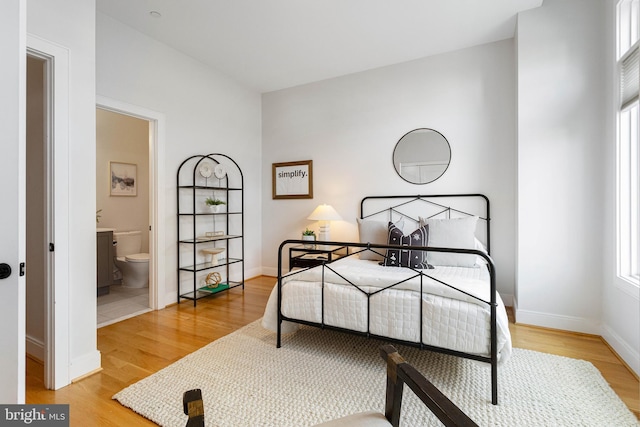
{"type": "Point", "coordinates": [105, 261]}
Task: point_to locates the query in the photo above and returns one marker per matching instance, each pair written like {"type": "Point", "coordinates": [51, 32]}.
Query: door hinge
{"type": "Point", "coordinates": [22, 265]}
{"type": "Point", "coordinates": [51, 247]}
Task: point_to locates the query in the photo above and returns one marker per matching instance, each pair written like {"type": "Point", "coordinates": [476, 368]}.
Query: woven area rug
{"type": "Point", "coordinates": [319, 375]}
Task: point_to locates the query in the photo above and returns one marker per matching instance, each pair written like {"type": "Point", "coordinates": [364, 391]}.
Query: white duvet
{"type": "Point", "coordinates": [450, 319]}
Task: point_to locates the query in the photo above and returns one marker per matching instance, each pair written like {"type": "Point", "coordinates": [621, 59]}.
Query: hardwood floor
{"type": "Point", "coordinates": [586, 347]}
{"type": "Point", "coordinates": [137, 347]}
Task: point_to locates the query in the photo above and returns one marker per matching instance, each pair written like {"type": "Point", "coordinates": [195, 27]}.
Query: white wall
{"type": "Point", "coordinates": [71, 24]}
{"type": "Point", "coordinates": [349, 126]}
{"type": "Point", "coordinates": [205, 112]}
{"type": "Point", "coordinates": [124, 139]}
{"type": "Point", "coordinates": [561, 105]}
{"type": "Point", "coordinates": [621, 305]}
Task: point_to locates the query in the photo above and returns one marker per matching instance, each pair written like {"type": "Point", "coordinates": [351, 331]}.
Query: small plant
{"type": "Point", "coordinates": [214, 202]}
{"type": "Point", "coordinates": [98, 216]}
{"type": "Point", "coordinates": [308, 232]}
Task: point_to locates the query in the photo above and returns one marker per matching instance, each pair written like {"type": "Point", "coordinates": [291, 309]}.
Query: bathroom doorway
{"type": "Point", "coordinates": [123, 154]}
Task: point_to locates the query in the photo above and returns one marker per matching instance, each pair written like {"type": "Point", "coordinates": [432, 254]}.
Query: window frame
{"type": "Point", "coordinates": [627, 156]}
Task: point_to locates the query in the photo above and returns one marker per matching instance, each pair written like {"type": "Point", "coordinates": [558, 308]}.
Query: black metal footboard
{"type": "Point", "coordinates": [356, 248]}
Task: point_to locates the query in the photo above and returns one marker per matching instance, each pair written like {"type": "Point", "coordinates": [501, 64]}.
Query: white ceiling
{"type": "Point", "coordinates": [274, 44]}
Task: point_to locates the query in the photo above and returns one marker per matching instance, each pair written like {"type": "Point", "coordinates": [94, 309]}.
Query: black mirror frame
{"type": "Point", "coordinates": [400, 140]}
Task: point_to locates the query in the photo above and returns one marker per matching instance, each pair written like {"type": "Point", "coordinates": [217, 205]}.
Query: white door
{"type": "Point", "coordinates": [12, 200]}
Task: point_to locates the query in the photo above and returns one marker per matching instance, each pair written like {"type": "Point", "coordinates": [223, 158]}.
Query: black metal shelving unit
{"type": "Point", "coordinates": [199, 229]}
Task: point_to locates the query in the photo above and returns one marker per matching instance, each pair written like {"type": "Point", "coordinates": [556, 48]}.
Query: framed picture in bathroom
{"type": "Point", "coordinates": [124, 180]}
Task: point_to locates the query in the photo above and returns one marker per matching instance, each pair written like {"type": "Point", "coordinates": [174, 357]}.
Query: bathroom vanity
{"type": "Point", "coordinates": [105, 260]}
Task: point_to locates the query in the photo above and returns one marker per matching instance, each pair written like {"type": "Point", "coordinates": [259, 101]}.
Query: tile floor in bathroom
{"type": "Point", "coordinates": [121, 303]}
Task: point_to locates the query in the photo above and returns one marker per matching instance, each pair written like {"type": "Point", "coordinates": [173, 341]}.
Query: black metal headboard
{"type": "Point", "coordinates": [431, 206]}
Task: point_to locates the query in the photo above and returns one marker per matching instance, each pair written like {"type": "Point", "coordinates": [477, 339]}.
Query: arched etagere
{"type": "Point", "coordinates": [210, 237]}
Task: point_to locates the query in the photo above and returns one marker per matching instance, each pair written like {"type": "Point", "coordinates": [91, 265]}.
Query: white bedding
{"type": "Point", "coordinates": [451, 319]}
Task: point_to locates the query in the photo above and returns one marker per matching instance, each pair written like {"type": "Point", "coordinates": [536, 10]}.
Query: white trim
{"type": "Point", "coordinates": [270, 271]}
{"type": "Point", "coordinates": [624, 350]}
{"type": "Point", "coordinates": [35, 347]}
{"type": "Point", "coordinates": [626, 18]}
{"type": "Point", "coordinates": [557, 321]}
{"type": "Point", "coordinates": [56, 345]}
{"type": "Point", "coordinates": [157, 209]}
{"type": "Point", "coordinates": [84, 365]}
{"type": "Point", "coordinates": [627, 287]}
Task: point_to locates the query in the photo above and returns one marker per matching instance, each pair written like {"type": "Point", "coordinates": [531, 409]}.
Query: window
{"type": "Point", "coordinates": [628, 158]}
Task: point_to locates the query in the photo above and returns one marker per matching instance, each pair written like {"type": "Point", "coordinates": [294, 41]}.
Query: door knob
{"type": "Point", "coordinates": [5, 271]}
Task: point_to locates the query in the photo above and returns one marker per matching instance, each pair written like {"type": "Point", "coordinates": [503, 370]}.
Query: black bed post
{"type": "Point", "coordinates": [488, 221]}
{"type": "Point", "coordinates": [279, 330]}
{"type": "Point", "coordinates": [494, 337]}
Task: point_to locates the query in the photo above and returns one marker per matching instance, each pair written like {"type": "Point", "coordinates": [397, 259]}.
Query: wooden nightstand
{"type": "Point", "coordinates": [311, 255]}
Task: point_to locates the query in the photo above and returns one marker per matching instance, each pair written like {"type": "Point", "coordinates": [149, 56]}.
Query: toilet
{"type": "Point", "coordinates": [133, 264]}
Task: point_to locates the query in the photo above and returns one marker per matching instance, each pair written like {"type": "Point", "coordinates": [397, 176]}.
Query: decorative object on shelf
{"type": "Point", "coordinates": [214, 204]}
{"type": "Point", "coordinates": [205, 169]}
{"type": "Point", "coordinates": [292, 180]}
{"type": "Point", "coordinates": [210, 234]}
{"type": "Point", "coordinates": [309, 235]}
{"type": "Point", "coordinates": [421, 156]}
{"type": "Point", "coordinates": [213, 279]}
{"type": "Point", "coordinates": [213, 253]}
{"type": "Point", "coordinates": [123, 179]}
{"type": "Point", "coordinates": [220, 171]}
{"type": "Point", "coordinates": [325, 214]}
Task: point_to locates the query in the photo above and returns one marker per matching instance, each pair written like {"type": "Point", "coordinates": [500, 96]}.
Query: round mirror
{"type": "Point", "coordinates": [421, 156]}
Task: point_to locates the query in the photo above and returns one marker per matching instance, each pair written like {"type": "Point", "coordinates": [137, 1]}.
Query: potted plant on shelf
{"type": "Point", "coordinates": [214, 204]}
{"type": "Point", "coordinates": [308, 235]}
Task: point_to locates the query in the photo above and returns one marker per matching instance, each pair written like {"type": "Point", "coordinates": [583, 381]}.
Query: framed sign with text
{"type": "Point", "coordinates": [293, 180]}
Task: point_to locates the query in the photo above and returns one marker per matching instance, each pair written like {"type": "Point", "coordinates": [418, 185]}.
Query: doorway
{"type": "Point", "coordinates": [37, 196]}
{"type": "Point", "coordinates": [153, 151]}
{"type": "Point", "coordinates": [47, 297]}
{"type": "Point", "coordinates": [122, 147]}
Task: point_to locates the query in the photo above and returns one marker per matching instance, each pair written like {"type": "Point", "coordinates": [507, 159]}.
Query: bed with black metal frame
{"type": "Point", "coordinates": [417, 281]}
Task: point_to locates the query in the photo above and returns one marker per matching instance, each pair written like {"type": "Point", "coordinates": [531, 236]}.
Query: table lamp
{"type": "Point", "coordinates": [324, 213]}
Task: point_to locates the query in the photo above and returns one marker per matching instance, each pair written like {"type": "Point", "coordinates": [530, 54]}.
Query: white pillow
{"type": "Point", "coordinates": [375, 232]}
{"type": "Point", "coordinates": [459, 233]}
{"type": "Point", "coordinates": [480, 247]}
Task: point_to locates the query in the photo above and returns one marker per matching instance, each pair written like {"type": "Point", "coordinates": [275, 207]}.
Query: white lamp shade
{"type": "Point", "coordinates": [324, 213]}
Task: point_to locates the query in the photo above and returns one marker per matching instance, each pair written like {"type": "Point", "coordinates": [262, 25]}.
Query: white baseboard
{"type": "Point", "coordinates": [270, 271]}
{"type": "Point", "coordinates": [254, 272]}
{"type": "Point", "coordinates": [557, 321]}
{"type": "Point", "coordinates": [35, 347]}
{"type": "Point", "coordinates": [624, 350]}
{"type": "Point", "coordinates": [84, 365]}
{"type": "Point", "coordinates": [171, 297]}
